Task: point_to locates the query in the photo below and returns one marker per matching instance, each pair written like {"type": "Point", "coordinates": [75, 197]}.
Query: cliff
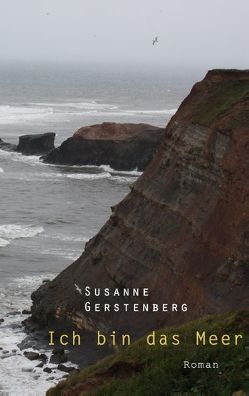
{"type": "Point", "coordinates": [122, 146]}
{"type": "Point", "coordinates": [182, 231]}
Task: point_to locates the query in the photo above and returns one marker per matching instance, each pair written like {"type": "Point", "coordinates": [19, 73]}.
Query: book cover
{"type": "Point", "coordinates": [124, 227]}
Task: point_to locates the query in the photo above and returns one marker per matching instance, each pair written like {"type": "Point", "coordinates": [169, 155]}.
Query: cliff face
{"type": "Point", "coordinates": [122, 146]}
{"type": "Point", "coordinates": [183, 231]}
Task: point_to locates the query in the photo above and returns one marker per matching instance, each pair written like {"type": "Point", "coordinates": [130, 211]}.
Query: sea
{"type": "Point", "coordinates": [48, 213]}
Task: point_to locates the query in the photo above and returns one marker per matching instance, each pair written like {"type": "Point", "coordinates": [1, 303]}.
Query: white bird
{"type": "Point", "coordinates": [155, 40]}
{"type": "Point", "coordinates": [78, 289]}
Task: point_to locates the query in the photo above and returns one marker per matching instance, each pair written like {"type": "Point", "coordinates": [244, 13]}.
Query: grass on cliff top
{"type": "Point", "coordinates": [222, 96]}
{"type": "Point", "coordinates": [142, 370]}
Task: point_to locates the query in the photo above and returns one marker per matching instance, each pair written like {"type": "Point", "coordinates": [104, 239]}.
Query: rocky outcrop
{"type": "Point", "coordinates": [183, 231]}
{"type": "Point", "coordinates": [122, 146]}
{"type": "Point", "coordinates": [7, 146]}
{"type": "Point", "coordinates": [36, 144]}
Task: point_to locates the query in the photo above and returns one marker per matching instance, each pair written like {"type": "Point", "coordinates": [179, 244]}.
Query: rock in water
{"type": "Point", "coordinates": [7, 146]}
{"type": "Point", "coordinates": [36, 144]}
{"type": "Point", "coordinates": [47, 370]}
{"type": "Point", "coordinates": [66, 369]}
{"type": "Point", "coordinates": [58, 356]}
{"type": "Point", "coordinates": [182, 232]}
{"type": "Point", "coordinates": [121, 146]}
{"type": "Point", "coordinates": [31, 355]}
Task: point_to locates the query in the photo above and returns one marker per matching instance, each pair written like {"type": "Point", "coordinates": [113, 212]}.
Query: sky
{"type": "Point", "coordinates": [210, 33]}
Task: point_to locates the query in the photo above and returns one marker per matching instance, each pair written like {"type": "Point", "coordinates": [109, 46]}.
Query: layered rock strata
{"type": "Point", "coordinates": [182, 231]}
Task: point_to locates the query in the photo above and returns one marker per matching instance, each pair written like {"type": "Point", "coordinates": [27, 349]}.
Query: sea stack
{"type": "Point", "coordinates": [123, 147]}
{"type": "Point", "coordinates": [37, 144]}
{"type": "Point", "coordinates": [182, 231]}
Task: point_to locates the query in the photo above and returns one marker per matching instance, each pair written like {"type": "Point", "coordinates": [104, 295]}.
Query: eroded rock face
{"type": "Point", "coordinates": [36, 144]}
{"type": "Point", "coordinates": [183, 231]}
{"type": "Point", "coordinates": [121, 146]}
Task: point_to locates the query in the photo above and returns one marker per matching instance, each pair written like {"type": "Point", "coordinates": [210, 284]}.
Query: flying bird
{"type": "Point", "coordinates": [155, 40]}
{"type": "Point", "coordinates": [78, 288]}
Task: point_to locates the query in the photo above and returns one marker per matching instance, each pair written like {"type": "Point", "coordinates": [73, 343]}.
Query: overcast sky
{"type": "Point", "coordinates": [210, 33]}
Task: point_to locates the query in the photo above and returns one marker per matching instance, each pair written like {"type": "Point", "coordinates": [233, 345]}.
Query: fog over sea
{"type": "Point", "coordinates": [47, 213]}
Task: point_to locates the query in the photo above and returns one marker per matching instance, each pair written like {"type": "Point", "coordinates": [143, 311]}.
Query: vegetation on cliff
{"type": "Point", "coordinates": [219, 99]}
{"type": "Point", "coordinates": [142, 370]}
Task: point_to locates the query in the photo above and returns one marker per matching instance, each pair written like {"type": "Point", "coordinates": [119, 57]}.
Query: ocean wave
{"type": "Point", "coordinates": [136, 113]}
{"type": "Point", "coordinates": [88, 105]}
{"type": "Point", "coordinates": [43, 177]}
{"type": "Point", "coordinates": [123, 179]}
{"type": "Point", "coordinates": [3, 243]}
{"type": "Point", "coordinates": [56, 111]}
{"type": "Point", "coordinates": [15, 231]}
{"type": "Point", "coordinates": [108, 173]}
{"type": "Point", "coordinates": [19, 375]}
{"type": "Point", "coordinates": [18, 114]}
{"type": "Point", "coordinates": [153, 112]}
{"type": "Point", "coordinates": [67, 238]}
{"type": "Point", "coordinates": [76, 172]}
{"type": "Point", "coordinates": [107, 168]}
{"type": "Point", "coordinates": [89, 176]}
{"type": "Point", "coordinates": [32, 160]}
{"type": "Point", "coordinates": [34, 177]}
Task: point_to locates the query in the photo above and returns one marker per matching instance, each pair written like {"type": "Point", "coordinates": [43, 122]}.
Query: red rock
{"type": "Point", "coordinates": [112, 131]}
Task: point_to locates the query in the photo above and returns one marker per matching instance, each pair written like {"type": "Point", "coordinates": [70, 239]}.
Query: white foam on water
{"type": "Point", "coordinates": [134, 172]}
{"type": "Point", "coordinates": [47, 112]}
{"type": "Point", "coordinates": [98, 107]}
{"type": "Point", "coordinates": [34, 177]}
{"type": "Point", "coordinates": [137, 113]}
{"type": "Point", "coordinates": [88, 176]}
{"type": "Point", "coordinates": [105, 168]}
{"type": "Point", "coordinates": [1, 170]}
{"type": "Point", "coordinates": [50, 112]}
{"type": "Point", "coordinates": [153, 112]}
{"type": "Point", "coordinates": [32, 160]}
{"type": "Point", "coordinates": [19, 376]}
{"type": "Point", "coordinates": [67, 238]}
{"type": "Point", "coordinates": [41, 177]}
{"type": "Point", "coordinates": [98, 172]}
{"type": "Point", "coordinates": [123, 179]}
{"type": "Point", "coordinates": [88, 105]}
{"type": "Point", "coordinates": [17, 231]}
{"type": "Point", "coordinates": [19, 114]}
{"type": "Point", "coordinates": [3, 243]}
